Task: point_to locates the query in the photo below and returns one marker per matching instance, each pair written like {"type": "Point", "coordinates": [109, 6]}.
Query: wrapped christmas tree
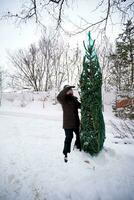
{"type": "Point", "coordinates": [92, 122]}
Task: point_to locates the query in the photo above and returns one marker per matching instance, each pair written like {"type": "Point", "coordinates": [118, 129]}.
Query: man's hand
{"type": "Point", "coordinates": [70, 92]}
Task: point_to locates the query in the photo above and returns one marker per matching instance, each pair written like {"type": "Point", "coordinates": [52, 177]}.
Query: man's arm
{"type": "Point", "coordinates": [62, 95]}
{"type": "Point", "coordinates": [77, 103]}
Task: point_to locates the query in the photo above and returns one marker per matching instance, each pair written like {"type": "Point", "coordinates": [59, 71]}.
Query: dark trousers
{"type": "Point", "coordinates": [68, 140]}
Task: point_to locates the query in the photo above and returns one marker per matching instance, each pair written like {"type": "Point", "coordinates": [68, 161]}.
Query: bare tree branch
{"type": "Point", "coordinates": [60, 10]}
{"type": "Point", "coordinates": [55, 9]}
{"type": "Point", "coordinates": [113, 6]}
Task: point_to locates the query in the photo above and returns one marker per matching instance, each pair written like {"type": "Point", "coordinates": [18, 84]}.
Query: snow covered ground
{"type": "Point", "coordinates": [31, 160]}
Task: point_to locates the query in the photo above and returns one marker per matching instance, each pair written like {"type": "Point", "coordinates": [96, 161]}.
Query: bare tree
{"type": "Point", "coordinates": [29, 67]}
{"type": "Point", "coordinates": [3, 82]}
{"type": "Point", "coordinates": [46, 65]}
{"type": "Point", "coordinates": [62, 63]}
{"type": "Point", "coordinates": [0, 86]}
{"type": "Point", "coordinates": [103, 50]}
{"type": "Point", "coordinates": [59, 71]}
{"type": "Point", "coordinates": [77, 63]}
{"type": "Point", "coordinates": [46, 46]}
{"type": "Point", "coordinates": [40, 67]}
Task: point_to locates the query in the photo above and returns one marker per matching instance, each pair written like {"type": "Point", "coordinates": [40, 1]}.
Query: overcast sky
{"type": "Point", "coordinates": [15, 36]}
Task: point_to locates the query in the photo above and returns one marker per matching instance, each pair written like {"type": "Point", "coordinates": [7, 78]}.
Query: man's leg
{"type": "Point", "coordinates": [68, 140]}
{"type": "Point", "coordinates": [77, 141]}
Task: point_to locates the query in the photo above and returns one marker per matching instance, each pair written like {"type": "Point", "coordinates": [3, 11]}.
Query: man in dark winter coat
{"type": "Point", "coordinates": [71, 121]}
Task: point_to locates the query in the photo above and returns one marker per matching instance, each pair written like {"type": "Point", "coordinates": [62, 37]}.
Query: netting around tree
{"type": "Point", "coordinates": [92, 122]}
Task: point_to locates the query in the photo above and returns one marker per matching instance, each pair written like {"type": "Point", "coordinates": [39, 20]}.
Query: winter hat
{"type": "Point", "coordinates": [68, 86]}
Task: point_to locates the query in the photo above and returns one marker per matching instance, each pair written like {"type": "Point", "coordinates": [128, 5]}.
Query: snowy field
{"type": "Point", "coordinates": [31, 160]}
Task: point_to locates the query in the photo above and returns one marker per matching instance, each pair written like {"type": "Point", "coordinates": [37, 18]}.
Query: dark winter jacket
{"type": "Point", "coordinates": [70, 106]}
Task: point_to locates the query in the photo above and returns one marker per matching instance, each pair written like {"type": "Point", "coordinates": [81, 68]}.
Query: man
{"type": "Point", "coordinates": [71, 121]}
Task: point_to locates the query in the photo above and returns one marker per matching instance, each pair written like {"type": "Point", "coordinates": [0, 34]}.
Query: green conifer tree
{"type": "Point", "coordinates": [122, 61]}
{"type": "Point", "coordinates": [92, 122]}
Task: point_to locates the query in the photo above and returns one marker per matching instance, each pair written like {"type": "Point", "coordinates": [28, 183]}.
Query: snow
{"type": "Point", "coordinates": [31, 160]}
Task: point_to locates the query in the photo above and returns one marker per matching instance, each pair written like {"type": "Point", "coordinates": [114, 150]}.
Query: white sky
{"type": "Point", "coordinates": [13, 36]}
